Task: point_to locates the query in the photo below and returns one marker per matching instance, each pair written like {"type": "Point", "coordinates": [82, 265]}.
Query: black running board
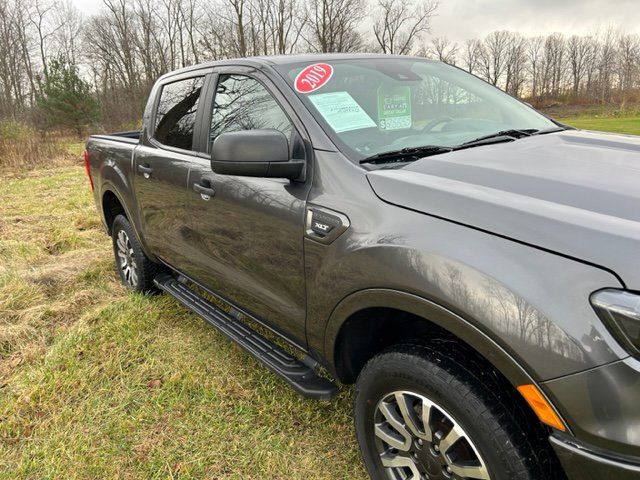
{"type": "Point", "coordinates": [297, 374]}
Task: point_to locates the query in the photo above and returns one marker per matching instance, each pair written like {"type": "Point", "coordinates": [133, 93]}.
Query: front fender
{"type": "Point", "coordinates": [531, 303]}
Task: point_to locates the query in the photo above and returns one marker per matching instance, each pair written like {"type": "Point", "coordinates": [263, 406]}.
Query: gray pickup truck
{"type": "Point", "coordinates": [470, 264]}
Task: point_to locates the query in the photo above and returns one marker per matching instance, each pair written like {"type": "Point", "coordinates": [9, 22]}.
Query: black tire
{"type": "Point", "coordinates": [506, 437]}
{"type": "Point", "coordinates": [145, 269]}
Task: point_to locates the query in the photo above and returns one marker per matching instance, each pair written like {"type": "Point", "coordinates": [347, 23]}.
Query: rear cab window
{"type": "Point", "coordinates": [176, 113]}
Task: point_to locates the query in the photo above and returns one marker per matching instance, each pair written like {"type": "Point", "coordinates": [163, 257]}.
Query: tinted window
{"type": "Point", "coordinates": [242, 103]}
{"type": "Point", "coordinates": [176, 114]}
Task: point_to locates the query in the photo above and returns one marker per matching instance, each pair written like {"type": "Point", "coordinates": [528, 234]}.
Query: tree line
{"type": "Point", "coordinates": [599, 68]}
{"type": "Point", "coordinates": [52, 59]}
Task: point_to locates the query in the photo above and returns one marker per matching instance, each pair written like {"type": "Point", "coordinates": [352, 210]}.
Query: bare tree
{"type": "Point", "coordinates": [67, 31]}
{"type": "Point", "coordinates": [129, 43]}
{"type": "Point", "coordinates": [332, 25]}
{"type": "Point", "coordinates": [515, 64]}
{"type": "Point", "coordinates": [553, 67]}
{"type": "Point", "coordinates": [17, 83]}
{"type": "Point", "coordinates": [534, 49]}
{"type": "Point", "coordinates": [235, 13]}
{"type": "Point", "coordinates": [606, 64]}
{"type": "Point", "coordinates": [495, 53]}
{"type": "Point", "coordinates": [189, 13]}
{"type": "Point", "coordinates": [578, 49]}
{"type": "Point", "coordinates": [39, 15]}
{"type": "Point", "coordinates": [591, 75]}
{"type": "Point", "coordinates": [214, 34]}
{"type": "Point", "coordinates": [472, 54]}
{"type": "Point", "coordinates": [401, 22]}
{"type": "Point", "coordinates": [628, 63]}
{"type": "Point", "coordinates": [286, 22]}
{"type": "Point", "coordinates": [444, 50]}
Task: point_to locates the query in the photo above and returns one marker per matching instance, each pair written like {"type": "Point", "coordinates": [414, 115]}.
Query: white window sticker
{"type": "Point", "coordinates": [341, 111]}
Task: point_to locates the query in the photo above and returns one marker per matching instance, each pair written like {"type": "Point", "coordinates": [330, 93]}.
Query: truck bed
{"type": "Point", "coordinates": [131, 137]}
{"type": "Point", "coordinates": [115, 149]}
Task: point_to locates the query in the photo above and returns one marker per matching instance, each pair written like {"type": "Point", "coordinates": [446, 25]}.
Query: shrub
{"type": "Point", "coordinates": [66, 100]}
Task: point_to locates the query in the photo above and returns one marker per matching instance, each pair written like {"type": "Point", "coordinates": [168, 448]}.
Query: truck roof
{"type": "Point", "coordinates": [261, 61]}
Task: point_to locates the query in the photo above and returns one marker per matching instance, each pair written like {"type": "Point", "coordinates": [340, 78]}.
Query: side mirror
{"type": "Point", "coordinates": [254, 153]}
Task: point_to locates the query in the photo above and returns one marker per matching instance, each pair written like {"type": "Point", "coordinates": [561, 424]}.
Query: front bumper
{"type": "Point", "coordinates": [601, 406]}
{"type": "Point", "coordinates": [583, 463]}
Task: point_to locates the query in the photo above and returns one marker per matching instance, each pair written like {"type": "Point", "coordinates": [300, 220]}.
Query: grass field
{"type": "Point", "coordinates": [627, 124]}
{"type": "Point", "coordinates": [96, 382]}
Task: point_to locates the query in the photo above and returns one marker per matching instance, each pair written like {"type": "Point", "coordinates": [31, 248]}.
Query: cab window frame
{"type": "Point", "coordinates": [204, 74]}
{"type": "Point", "coordinates": [271, 89]}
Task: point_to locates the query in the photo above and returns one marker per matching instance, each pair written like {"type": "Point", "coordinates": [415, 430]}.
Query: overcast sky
{"type": "Point", "coordinates": [463, 19]}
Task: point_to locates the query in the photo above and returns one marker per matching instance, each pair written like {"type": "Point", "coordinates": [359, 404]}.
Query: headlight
{"type": "Point", "coordinates": [620, 311]}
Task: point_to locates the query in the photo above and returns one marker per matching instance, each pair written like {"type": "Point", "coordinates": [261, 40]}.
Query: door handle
{"type": "Point", "coordinates": [204, 190]}
{"type": "Point", "coordinates": [145, 169]}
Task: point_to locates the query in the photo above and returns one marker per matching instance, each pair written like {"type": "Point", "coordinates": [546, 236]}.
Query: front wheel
{"type": "Point", "coordinates": [136, 270]}
{"type": "Point", "coordinates": [421, 415]}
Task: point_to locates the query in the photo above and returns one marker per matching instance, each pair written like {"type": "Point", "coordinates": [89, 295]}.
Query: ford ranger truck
{"type": "Point", "coordinates": [471, 265]}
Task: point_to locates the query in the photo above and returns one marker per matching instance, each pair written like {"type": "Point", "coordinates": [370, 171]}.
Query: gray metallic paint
{"type": "Point", "coordinates": [602, 404]}
{"type": "Point", "coordinates": [505, 255]}
{"type": "Point", "coordinates": [581, 462]}
{"type": "Point", "coordinates": [548, 191]}
{"type": "Point", "coordinates": [163, 200]}
{"type": "Point", "coordinates": [499, 290]}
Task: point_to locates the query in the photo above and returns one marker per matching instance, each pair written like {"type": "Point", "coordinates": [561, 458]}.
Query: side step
{"type": "Point", "coordinates": [300, 376]}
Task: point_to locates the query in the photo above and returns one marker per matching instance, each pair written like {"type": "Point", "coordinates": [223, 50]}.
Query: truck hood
{"type": "Point", "coordinates": [575, 193]}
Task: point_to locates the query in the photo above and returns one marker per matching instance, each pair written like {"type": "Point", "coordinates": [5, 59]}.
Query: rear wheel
{"type": "Point", "coordinates": [136, 270]}
{"type": "Point", "coordinates": [421, 415]}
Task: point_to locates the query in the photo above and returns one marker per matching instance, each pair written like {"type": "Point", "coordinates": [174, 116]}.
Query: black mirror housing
{"type": "Point", "coordinates": [254, 153]}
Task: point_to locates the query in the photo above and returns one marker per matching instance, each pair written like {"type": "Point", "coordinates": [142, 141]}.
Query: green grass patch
{"type": "Point", "coordinates": [625, 124]}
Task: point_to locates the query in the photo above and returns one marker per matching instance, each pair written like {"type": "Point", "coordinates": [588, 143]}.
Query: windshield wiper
{"type": "Point", "coordinates": [559, 128]}
{"type": "Point", "coordinates": [411, 154]}
{"type": "Point", "coordinates": [408, 154]}
{"type": "Point", "coordinates": [509, 135]}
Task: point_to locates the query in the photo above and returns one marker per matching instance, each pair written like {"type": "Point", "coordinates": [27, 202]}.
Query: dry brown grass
{"type": "Point", "coordinates": [24, 148]}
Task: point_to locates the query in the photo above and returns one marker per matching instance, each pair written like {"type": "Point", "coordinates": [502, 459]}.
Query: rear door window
{"type": "Point", "coordinates": [176, 113]}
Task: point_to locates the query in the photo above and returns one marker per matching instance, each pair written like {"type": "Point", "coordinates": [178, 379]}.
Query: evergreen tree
{"type": "Point", "coordinates": [65, 99]}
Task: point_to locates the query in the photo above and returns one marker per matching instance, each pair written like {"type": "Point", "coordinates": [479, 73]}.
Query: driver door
{"type": "Point", "coordinates": [247, 232]}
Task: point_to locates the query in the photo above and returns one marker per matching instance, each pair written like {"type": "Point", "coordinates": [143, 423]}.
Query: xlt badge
{"type": "Point", "coordinates": [320, 228]}
{"type": "Point", "coordinates": [324, 225]}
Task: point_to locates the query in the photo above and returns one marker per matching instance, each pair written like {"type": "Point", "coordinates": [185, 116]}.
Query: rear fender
{"type": "Point", "coordinates": [108, 188]}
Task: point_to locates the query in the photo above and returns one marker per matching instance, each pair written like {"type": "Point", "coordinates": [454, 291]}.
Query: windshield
{"type": "Point", "coordinates": [375, 105]}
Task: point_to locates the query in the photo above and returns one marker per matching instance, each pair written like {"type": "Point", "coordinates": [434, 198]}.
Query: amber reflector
{"type": "Point", "coordinates": [540, 405]}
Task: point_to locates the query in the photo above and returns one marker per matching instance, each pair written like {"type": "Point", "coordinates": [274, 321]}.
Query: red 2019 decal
{"type": "Point", "coordinates": [313, 77]}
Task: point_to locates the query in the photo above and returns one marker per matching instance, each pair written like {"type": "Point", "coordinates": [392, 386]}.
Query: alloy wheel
{"type": "Point", "coordinates": [418, 439]}
{"type": "Point", "coordinates": [127, 261]}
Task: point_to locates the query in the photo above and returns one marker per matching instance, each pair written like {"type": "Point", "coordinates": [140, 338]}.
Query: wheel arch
{"type": "Point", "coordinates": [413, 316]}
{"type": "Point", "coordinates": [111, 205]}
